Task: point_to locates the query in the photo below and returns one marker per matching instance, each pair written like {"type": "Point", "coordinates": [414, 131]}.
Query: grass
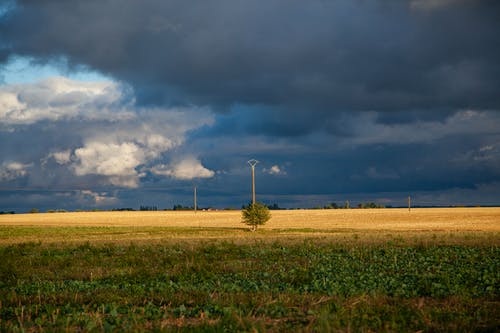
{"type": "Point", "coordinates": [174, 277]}
{"type": "Point", "coordinates": [262, 285]}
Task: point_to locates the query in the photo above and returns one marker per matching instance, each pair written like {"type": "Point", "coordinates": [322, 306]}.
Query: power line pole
{"type": "Point", "coordinates": [409, 203]}
{"type": "Point", "coordinates": [252, 163]}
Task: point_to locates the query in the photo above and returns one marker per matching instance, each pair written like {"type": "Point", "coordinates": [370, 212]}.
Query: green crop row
{"type": "Point", "coordinates": [262, 285]}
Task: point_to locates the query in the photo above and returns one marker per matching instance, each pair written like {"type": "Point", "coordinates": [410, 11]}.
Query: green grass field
{"type": "Point", "coordinates": [73, 278]}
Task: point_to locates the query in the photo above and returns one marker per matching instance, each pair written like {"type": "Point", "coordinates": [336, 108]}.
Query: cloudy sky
{"type": "Point", "coordinates": [122, 103]}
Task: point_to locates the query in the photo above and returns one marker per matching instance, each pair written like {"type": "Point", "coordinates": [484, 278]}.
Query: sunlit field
{"type": "Point", "coordinates": [306, 270]}
{"type": "Point", "coordinates": [439, 219]}
{"type": "Point", "coordinates": [158, 225]}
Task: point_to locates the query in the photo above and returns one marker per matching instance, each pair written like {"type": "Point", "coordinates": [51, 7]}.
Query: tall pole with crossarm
{"type": "Point", "coordinates": [252, 163]}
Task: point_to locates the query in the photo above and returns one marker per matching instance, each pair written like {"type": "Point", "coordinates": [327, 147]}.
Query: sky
{"type": "Point", "coordinates": [126, 103]}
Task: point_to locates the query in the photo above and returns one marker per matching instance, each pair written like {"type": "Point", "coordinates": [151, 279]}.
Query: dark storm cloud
{"type": "Point", "coordinates": [317, 56]}
{"type": "Point", "coordinates": [338, 99]}
{"type": "Point", "coordinates": [460, 153]}
{"type": "Point", "coordinates": [452, 162]}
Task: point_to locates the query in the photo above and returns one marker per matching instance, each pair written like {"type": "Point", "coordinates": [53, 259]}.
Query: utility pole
{"type": "Point", "coordinates": [252, 163]}
{"type": "Point", "coordinates": [409, 203]}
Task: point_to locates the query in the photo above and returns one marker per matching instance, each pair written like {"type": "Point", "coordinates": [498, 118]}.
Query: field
{"type": "Point", "coordinates": [306, 270]}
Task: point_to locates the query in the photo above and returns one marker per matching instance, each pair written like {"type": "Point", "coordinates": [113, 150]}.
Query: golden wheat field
{"type": "Point", "coordinates": [451, 225]}
{"type": "Point", "coordinates": [418, 219]}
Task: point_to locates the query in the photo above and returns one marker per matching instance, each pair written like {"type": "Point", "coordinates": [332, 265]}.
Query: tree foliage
{"type": "Point", "coordinates": [255, 214]}
{"type": "Point", "coordinates": [370, 205]}
{"type": "Point", "coordinates": [181, 207]}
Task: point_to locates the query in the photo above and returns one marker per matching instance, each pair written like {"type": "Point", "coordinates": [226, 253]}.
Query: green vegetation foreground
{"type": "Point", "coordinates": [304, 285]}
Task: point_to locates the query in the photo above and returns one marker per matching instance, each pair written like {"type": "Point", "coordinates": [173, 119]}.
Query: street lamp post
{"type": "Point", "coordinates": [252, 163]}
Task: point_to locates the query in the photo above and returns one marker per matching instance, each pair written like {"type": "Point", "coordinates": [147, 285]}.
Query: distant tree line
{"type": "Point", "coordinates": [274, 206]}
{"type": "Point", "coordinates": [181, 207]}
{"type": "Point", "coordinates": [148, 208]}
{"type": "Point", "coordinates": [36, 210]}
{"type": "Point", "coordinates": [369, 204]}
{"type": "Point", "coordinates": [334, 205]}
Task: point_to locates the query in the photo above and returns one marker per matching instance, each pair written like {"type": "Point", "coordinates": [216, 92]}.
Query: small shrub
{"type": "Point", "coordinates": [255, 214]}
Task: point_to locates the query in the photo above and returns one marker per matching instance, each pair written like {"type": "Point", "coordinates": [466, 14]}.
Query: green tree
{"type": "Point", "coordinates": [254, 215]}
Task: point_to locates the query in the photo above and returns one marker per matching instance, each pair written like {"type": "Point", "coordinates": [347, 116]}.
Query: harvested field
{"type": "Point", "coordinates": [436, 219]}
{"type": "Point", "coordinates": [441, 225]}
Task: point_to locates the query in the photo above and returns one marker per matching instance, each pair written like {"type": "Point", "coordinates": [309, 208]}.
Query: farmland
{"type": "Point", "coordinates": [306, 270]}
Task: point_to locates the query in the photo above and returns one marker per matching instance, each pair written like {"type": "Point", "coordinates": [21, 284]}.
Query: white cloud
{"type": "Point", "coordinates": [62, 157]}
{"type": "Point", "coordinates": [115, 161]}
{"type": "Point", "coordinates": [117, 156]}
{"type": "Point", "coordinates": [275, 170]}
{"type": "Point", "coordinates": [186, 169]}
{"type": "Point", "coordinates": [99, 199]}
{"type": "Point", "coordinates": [487, 148]}
{"type": "Point", "coordinates": [13, 170]}
{"type": "Point", "coordinates": [101, 134]}
{"type": "Point", "coordinates": [59, 98]}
